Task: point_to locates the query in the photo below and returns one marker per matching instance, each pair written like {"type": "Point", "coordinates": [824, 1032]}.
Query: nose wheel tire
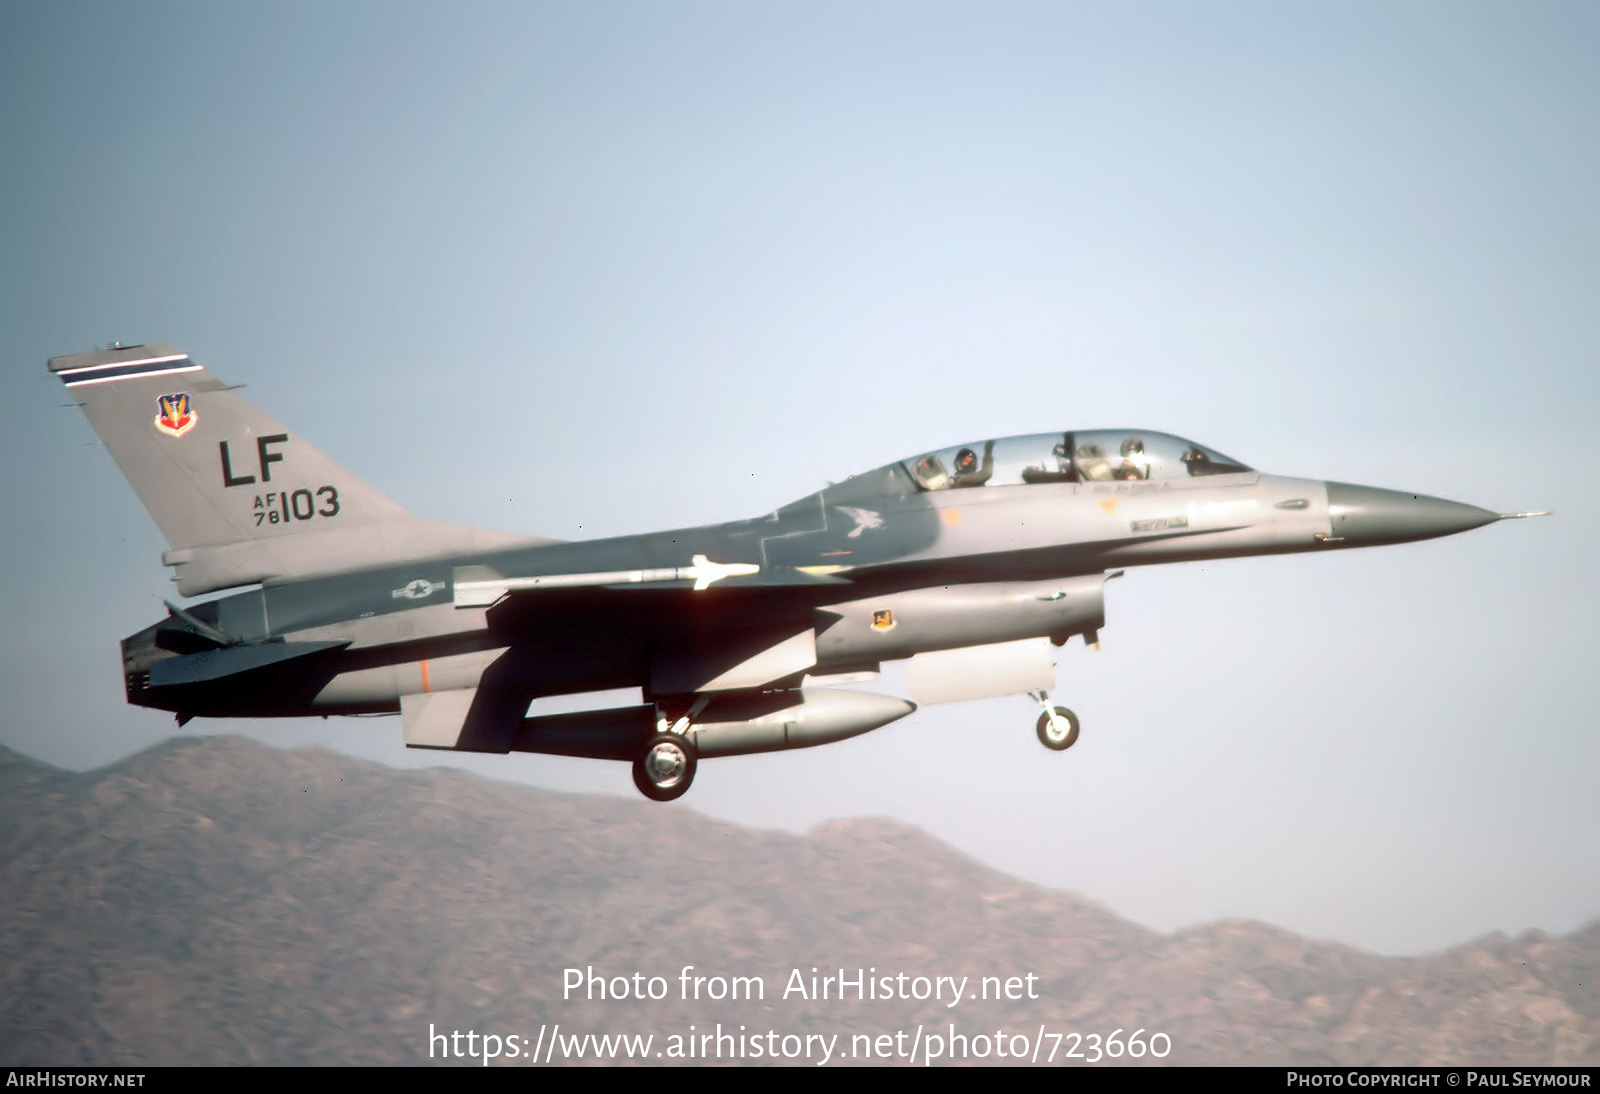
{"type": "Point", "coordinates": [1057, 729]}
{"type": "Point", "coordinates": [666, 767]}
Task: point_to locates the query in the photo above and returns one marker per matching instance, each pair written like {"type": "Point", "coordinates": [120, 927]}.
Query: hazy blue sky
{"type": "Point", "coordinates": [585, 269]}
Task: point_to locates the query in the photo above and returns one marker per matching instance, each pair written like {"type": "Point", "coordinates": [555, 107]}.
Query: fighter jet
{"type": "Point", "coordinates": [972, 563]}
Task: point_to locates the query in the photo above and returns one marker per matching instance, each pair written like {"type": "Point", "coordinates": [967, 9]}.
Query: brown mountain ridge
{"type": "Point", "coordinates": [215, 901]}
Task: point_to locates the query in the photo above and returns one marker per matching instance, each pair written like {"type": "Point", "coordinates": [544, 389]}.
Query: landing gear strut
{"type": "Point", "coordinates": [1057, 726]}
{"type": "Point", "coordinates": [666, 767]}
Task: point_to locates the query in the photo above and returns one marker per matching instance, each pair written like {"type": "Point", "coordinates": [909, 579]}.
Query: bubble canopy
{"type": "Point", "coordinates": [1096, 455]}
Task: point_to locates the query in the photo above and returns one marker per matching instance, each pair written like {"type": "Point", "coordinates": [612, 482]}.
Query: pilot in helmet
{"type": "Point", "coordinates": [970, 471]}
{"type": "Point", "coordinates": [1132, 450]}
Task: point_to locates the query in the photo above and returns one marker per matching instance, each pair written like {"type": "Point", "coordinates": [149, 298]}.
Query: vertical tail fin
{"type": "Point", "coordinates": [239, 497]}
{"type": "Point", "coordinates": [209, 466]}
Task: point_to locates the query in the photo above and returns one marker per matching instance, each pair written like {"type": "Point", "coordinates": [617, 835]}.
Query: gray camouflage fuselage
{"type": "Point", "coordinates": [986, 542]}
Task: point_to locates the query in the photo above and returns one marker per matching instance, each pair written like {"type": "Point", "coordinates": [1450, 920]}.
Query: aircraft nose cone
{"type": "Point", "coordinates": [1366, 515]}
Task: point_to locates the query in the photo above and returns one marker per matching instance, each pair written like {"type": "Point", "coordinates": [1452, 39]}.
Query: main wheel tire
{"type": "Point", "coordinates": [1057, 729]}
{"type": "Point", "coordinates": [666, 767]}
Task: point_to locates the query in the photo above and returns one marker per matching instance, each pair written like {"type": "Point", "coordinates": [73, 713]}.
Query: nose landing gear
{"type": "Point", "coordinates": [1057, 726]}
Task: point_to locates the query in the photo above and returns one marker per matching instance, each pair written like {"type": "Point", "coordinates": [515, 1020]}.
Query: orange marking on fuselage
{"type": "Point", "coordinates": [424, 675]}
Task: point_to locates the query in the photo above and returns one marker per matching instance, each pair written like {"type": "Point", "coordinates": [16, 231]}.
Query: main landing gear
{"type": "Point", "coordinates": [667, 765]}
{"type": "Point", "coordinates": [666, 768]}
{"type": "Point", "coordinates": [1057, 726]}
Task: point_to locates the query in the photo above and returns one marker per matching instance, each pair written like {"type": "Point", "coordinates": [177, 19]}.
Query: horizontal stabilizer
{"type": "Point", "coordinates": [209, 665]}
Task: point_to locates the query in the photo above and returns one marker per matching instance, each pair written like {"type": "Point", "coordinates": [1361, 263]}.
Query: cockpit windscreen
{"type": "Point", "coordinates": [1101, 455]}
